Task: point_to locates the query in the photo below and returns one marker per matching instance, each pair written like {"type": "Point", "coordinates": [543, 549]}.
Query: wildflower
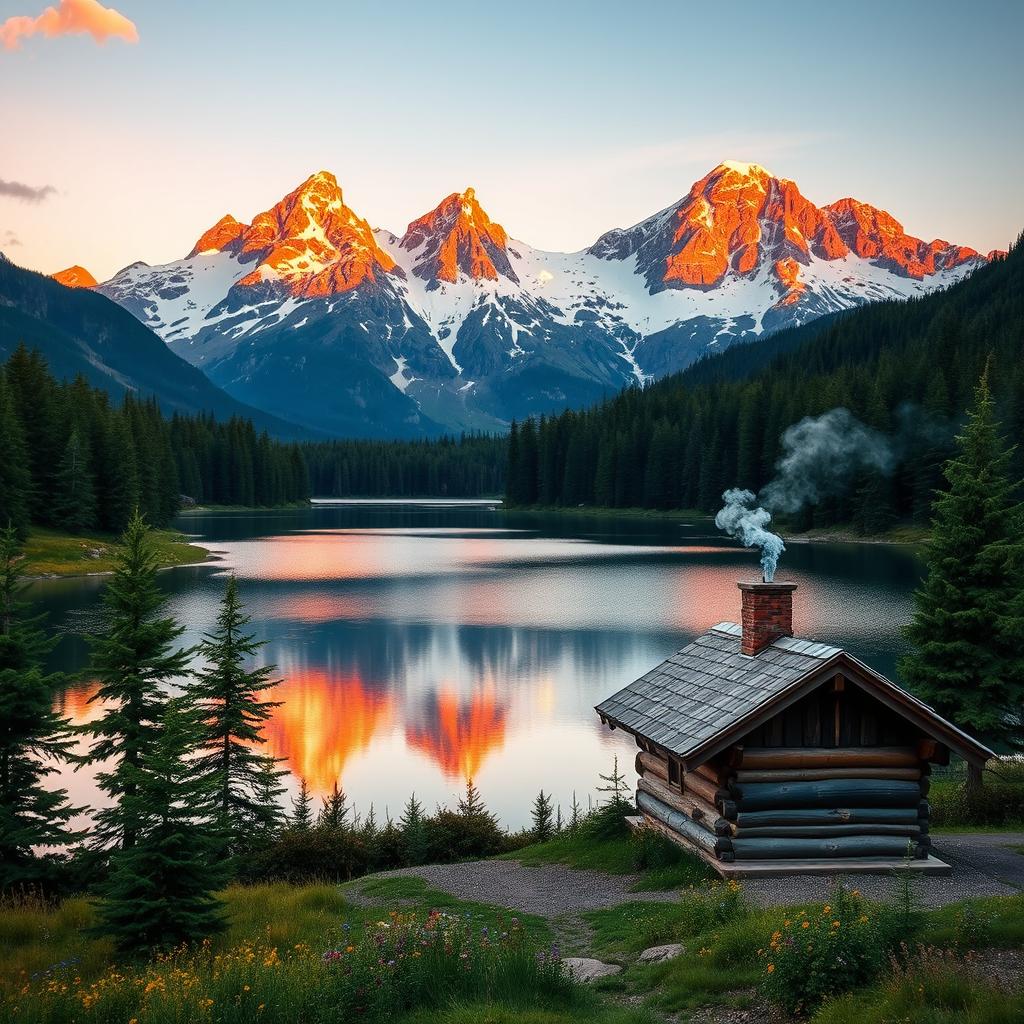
{"type": "Point", "coordinates": [771, 968]}
{"type": "Point", "coordinates": [806, 924]}
{"type": "Point", "coordinates": [245, 988]}
{"type": "Point", "coordinates": [826, 910]}
{"type": "Point", "coordinates": [835, 924]}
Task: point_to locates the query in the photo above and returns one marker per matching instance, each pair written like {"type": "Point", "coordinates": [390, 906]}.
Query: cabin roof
{"type": "Point", "coordinates": [709, 694]}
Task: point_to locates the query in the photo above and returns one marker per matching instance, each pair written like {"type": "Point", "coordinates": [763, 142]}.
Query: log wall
{"type": "Point", "coordinates": [789, 802]}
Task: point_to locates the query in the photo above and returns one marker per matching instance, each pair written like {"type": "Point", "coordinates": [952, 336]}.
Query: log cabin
{"type": "Point", "coordinates": [768, 754]}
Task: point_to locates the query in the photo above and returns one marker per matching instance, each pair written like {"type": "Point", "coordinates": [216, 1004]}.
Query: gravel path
{"type": "Point", "coordinates": [984, 864]}
{"type": "Point", "coordinates": [549, 890]}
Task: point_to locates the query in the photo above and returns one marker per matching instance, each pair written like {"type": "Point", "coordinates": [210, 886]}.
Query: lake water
{"type": "Point", "coordinates": [424, 644]}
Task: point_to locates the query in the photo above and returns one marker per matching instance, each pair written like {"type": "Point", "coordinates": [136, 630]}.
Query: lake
{"type": "Point", "coordinates": [421, 644]}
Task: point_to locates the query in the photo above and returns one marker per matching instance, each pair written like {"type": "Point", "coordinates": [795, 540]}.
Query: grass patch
{"type": "Point", "coordinates": [51, 553]}
{"type": "Point", "coordinates": [591, 1010]}
{"type": "Point", "coordinates": [996, 922]}
{"type": "Point", "coordinates": [614, 856]}
{"type": "Point", "coordinates": [660, 864]}
{"type": "Point", "coordinates": [932, 991]}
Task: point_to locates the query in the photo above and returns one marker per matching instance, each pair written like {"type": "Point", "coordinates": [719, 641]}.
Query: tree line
{"type": "Point", "coordinates": [73, 460]}
{"type": "Point", "coordinates": [905, 369]}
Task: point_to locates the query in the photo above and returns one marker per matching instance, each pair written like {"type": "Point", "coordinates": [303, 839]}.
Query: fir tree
{"type": "Point", "coordinates": [969, 617]}
{"type": "Point", "coordinates": [414, 832]}
{"type": "Point", "coordinates": [472, 806]}
{"type": "Point", "coordinates": [301, 817]}
{"type": "Point", "coordinates": [614, 788]}
{"type": "Point", "coordinates": [33, 739]}
{"type": "Point", "coordinates": [15, 478]}
{"type": "Point", "coordinates": [269, 792]}
{"type": "Point", "coordinates": [574, 813]}
{"type": "Point", "coordinates": [159, 893]}
{"type": "Point", "coordinates": [133, 658]}
{"type": "Point", "coordinates": [334, 810]}
{"type": "Point", "coordinates": [74, 500]}
{"type": "Point", "coordinates": [230, 696]}
{"type": "Point", "coordinates": [542, 829]}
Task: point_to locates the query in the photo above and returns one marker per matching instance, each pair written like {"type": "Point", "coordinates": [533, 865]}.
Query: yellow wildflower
{"type": "Point", "coordinates": [806, 924]}
{"type": "Point", "coordinates": [771, 968]}
{"type": "Point", "coordinates": [835, 924]}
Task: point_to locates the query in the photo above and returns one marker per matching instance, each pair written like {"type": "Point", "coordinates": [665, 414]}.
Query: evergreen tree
{"type": "Point", "coordinates": [33, 737]}
{"type": "Point", "coordinates": [230, 696]}
{"type": "Point", "coordinates": [159, 893]}
{"type": "Point", "coordinates": [269, 791]}
{"type": "Point", "coordinates": [334, 810]}
{"type": "Point", "coordinates": [614, 788]}
{"type": "Point", "coordinates": [969, 619]}
{"type": "Point", "coordinates": [542, 829]}
{"type": "Point", "coordinates": [15, 478]}
{"type": "Point", "coordinates": [302, 809]}
{"type": "Point", "coordinates": [133, 658]}
{"type": "Point", "coordinates": [414, 832]}
{"type": "Point", "coordinates": [74, 500]}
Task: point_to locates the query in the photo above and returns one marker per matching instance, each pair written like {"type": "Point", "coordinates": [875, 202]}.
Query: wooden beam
{"type": "Point", "coordinates": [701, 812]}
{"type": "Point", "coordinates": [818, 774]}
{"type": "Point", "coordinates": [683, 824]}
{"type": "Point", "coordinates": [695, 783]}
{"type": "Point", "coordinates": [827, 757]}
{"type": "Point", "coordinates": [651, 764]}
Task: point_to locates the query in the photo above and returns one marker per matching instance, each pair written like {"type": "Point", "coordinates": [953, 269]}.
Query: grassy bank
{"type": "Point", "coordinates": [51, 553]}
{"type": "Point", "coordinates": [393, 949]}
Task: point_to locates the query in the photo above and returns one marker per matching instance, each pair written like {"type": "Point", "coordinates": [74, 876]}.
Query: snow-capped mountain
{"type": "Point", "coordinates": [309, 313]}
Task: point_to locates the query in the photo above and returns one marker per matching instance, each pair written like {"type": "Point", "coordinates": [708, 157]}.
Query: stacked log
{"type": "Point", "coordinates": [794, 803]}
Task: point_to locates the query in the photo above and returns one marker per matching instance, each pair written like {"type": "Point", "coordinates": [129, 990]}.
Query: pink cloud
{"type": "Point", "coordinates": [70, 17]}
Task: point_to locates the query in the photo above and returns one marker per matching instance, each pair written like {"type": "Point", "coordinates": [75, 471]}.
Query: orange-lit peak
{"type": "Point", "coordinates": [310, 243]}
{"type": "Point", "coordinates": [457, 238]}
{"type": "Point", "coordinates": [75, 277]}
{"type": "Point", "coordinates": [876, 235]}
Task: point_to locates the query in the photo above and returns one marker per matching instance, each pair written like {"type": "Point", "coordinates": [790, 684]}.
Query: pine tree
{"type": "Point", "coordinates": [334, 810]}
{"type": "Point", "coordinates": [301, 817]}
{"type": "Point", "coordinates": [269, 791]}
{"type": "Point", "coordinates": [133, 658]}
{"type": "Point", "coordinates": [542, 818]}
{"type": "Point", "coordinates": [230, 696]}
{"type": "Point", "coordinates": [15, 478]}
{"type": "Point", "coordinates": [159, 893]}
{"type": "Point", "coordinates": [969, 617]}
{"type": "Point", "coordinates": [33, 739]}
{"type": "Point", "coordinates": [472, 805]}
{"type": "Point", "coordinates": [575, 812]}
{"type": "Point", "coordinates": [614, 788]}
{"type": "Point", "coordinates": [74, 499]}
{"type": "Point", "coordinates": [414, 832]}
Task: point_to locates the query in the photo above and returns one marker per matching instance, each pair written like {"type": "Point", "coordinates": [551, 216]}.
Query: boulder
{"type": "Point", "coordinates": [586, 970]}
{"type": "Point", "coordinates": [655, 954]}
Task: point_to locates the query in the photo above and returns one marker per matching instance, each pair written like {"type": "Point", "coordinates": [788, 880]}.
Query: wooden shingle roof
{"type": "Point", "coordinates": [709, 689]}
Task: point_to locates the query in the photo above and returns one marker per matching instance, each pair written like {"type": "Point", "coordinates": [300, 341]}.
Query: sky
{"type": "Point", "coordinates": [127, 132]}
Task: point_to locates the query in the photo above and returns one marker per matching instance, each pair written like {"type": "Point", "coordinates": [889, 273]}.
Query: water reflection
{"type": "Point", "coordinates": [419, 648]}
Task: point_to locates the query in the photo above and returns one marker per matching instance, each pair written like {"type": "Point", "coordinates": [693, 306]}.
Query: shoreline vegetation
{"type": "Point", "coordinates": [52, 554]}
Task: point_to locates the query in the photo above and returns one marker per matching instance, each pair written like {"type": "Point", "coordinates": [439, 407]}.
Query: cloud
{"type": "Point", "coordinates": [26, 193]}
{"type": "Point", "coordinates": [70, 17]}
{"type": "Point", "coordinates": [10, 238]}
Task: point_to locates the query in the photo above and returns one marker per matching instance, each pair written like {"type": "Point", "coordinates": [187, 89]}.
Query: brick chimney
{"type": "Point", "coordinates": [767, 614]}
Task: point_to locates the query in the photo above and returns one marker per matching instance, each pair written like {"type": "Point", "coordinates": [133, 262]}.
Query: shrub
{"type": "Point", "coordinates": [815, 956]}
{"type": "Point", "coordinates": [608, 822]}
{"type": "Point", "coordinates": [999, 802]}
{"type": "Point", "coordinates": [308, 854]}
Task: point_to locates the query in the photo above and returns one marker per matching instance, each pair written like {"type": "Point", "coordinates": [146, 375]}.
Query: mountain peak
{"type": "Point", "coordinates": [75, 277]}
{"type": "Point", "coordinates": [457, 239]}
{"type": "Point", "coordinates": [745, 169]}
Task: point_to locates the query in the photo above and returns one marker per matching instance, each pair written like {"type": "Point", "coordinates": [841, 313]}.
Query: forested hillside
{"type": "Point", "coordinates": [906, 369]}
{"type": "Point", "coordinates": [71, 458]}
{"type": "Point", "coordinates": [470, 466]}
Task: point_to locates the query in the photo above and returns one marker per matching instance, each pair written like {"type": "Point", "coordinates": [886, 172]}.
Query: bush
{"type": "Point", "coordinates": [453, 836]}
{"type": "Point", "coordinates": [813, 957]}
{"type": "Point", "coordinates": [308, 854]}
{"type": "Point", "coordinates": [608, 822]}
{"type": "Point", "coordinates": [997, 803]}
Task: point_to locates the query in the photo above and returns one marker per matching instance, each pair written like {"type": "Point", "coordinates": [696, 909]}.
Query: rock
{"type": "Point", "coordinates": [586, 970]}
{"type": "Point", "coordinates": [185, 501]}
{"type": "Point", "coordinates": [655, 954]}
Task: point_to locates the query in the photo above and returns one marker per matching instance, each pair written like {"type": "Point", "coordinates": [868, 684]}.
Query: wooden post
{"type": "Point", "coordinates": [974, 777]}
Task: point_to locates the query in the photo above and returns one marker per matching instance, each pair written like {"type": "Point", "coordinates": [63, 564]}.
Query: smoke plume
{"type": "Point", "coordinates": [820, 456]}
{"type": "Point", "coordinates": [740, 519]}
